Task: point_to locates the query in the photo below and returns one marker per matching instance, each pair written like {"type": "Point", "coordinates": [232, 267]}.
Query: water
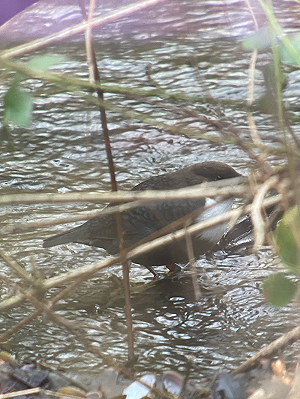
{"type": "Point", "coordinates": [194, 48]}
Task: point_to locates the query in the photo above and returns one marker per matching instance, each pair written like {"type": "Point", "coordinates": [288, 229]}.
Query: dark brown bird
{"type": "Point", "coordinates": [141, 222]}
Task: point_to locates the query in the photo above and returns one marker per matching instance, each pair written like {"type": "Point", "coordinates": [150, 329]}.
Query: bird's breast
{"type": "Point", "coordinates": [213, 208]}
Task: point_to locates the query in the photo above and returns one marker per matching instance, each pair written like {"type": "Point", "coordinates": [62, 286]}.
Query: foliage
{"type": "Point", "coordinates": [286, 239]}
{"type": "Point", "coordinates": [18, 103]}
{"type": "Point", "coordinates": [261, 40]}
{"type": "Point", "coordinates": [278, 288]}
{"type": "Point", "coordinates": [18, 106]}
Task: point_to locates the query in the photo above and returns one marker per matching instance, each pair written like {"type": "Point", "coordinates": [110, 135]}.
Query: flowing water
{"type": "Point", "coordinates": [193, 47]}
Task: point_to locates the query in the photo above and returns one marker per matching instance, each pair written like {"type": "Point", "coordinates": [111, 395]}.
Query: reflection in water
{"type": "Point", "coordinates": [63, 151]}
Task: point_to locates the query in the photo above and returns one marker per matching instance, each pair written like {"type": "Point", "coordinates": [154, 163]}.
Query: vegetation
{"type": "Point", "coordinates": [267, 193]}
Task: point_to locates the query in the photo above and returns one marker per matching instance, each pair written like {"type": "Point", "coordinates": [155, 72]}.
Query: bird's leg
{"type": "Point", "coordinates": [156, 275]}
{"type": "Point", "coordinates": [173, 267]}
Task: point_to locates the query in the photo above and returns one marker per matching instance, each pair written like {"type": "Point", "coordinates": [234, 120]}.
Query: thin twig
{"type": "Point", "coordinates": [47, 308]}
{"type": "Point", "coordinates": [95, 77]}
{"type": "Point", "coordinates": [270, 349]}
{"type": "Point", "coordinates": [191, 256]}
{"type": "Point", "coordinates": [102, 20]}
{"type": "Point", "coordinates": [149, 198]}
{"type": "Point", "coordinates": [256, 215]}
{"type": "Point", "coordinates": [224, 188]}
{"type": "Point", "coordinates": [251, 123]}
{"type": "Point", "coordinates": [20, 271]}
{"type": "Point", "coordinates": [26, 320]}
{"type": "Point", "coordinates": [90, 269]}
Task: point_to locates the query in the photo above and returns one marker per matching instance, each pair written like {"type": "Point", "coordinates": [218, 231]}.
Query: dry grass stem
{"type": "Point", "coordinates": [256, 212]}
{"type": "Point", "coordinates": [29, 294]}
{"type": "Point", "coordinates": [90, 269]}
{"type": "Point", "coordinates": [47, 308]}
{"type": "Point", "coordinates": [90, 54]}
{"type": "Point", "coordinates": [249, 6]}
{"type": "Point", "coordinates": [226, 187]}
{"type": "Point", "coordinates": [224, 132]}
{"type": "Point", "coordinates": [18, 326]}
{"type": "Point", "coordinates": [80, 216]}
{"type": "Point", "coordinates": [102, 20]}
{"type": "Point", "coordinates": [31, 391]}
{"type": "Point", "coordinates": [192, 263]}
{"type": "Point", "coordinates": [251, 124]}
{"type": "Point", "coordinates": [149, 196]}
{"type": "Point", "coordinates": [270, 349]}
{"type": "Point", "coordinates": [255, 135]}
{"type": "Point", "coordinates": [251, 84]}
{"type": "Point", "coordinates": [94, 76]}
{"type": "Point", "coordinates": [19, 270]}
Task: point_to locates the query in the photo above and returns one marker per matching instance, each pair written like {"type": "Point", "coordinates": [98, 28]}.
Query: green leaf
{"type": "Point", "coordinates": [285, 55]}
{"type": "Point", "coordinates": [43, 62]}
{"type": "Point", "coordinates": [287, 240]}
{"type": "Point", "coordinates": [18, 106]}
{"type": "Point", "coordinates": [279, 290]}
{"type": "Point", "coordinates": [260, 40]}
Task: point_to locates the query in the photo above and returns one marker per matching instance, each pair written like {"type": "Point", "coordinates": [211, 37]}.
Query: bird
{"type": "Point", "coordinates": [143, 221]}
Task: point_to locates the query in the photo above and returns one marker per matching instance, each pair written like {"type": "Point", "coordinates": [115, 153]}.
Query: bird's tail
{"type": "Point", "coordinates": [62, 238]}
